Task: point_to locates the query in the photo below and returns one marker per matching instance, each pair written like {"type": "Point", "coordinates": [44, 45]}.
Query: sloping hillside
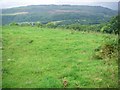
{"type": "Point", "coordinates": [67, 14]}
{"type": "Point", "coordinates": [55, 58]}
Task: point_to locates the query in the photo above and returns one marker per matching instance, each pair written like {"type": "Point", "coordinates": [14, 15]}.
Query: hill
{"type": "Point", "coordinates": [111, 5]}
{"type": "Point", "coordinates": [64, 14]}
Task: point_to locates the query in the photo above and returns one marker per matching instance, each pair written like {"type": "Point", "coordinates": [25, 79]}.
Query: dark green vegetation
{"type": "Point", "coordinates": [64, 14]}
{"type": "Point", "coordinates": [110, 27]}
{"type": "Point", "coordinates": [43, 57]}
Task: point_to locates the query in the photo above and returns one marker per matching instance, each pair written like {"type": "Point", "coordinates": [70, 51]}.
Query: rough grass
{"type": "Point", "coordinates": [53, 58]}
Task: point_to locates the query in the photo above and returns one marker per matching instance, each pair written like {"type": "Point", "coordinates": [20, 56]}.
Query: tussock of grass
{"type": "Point", "coordinates": [54, 58]}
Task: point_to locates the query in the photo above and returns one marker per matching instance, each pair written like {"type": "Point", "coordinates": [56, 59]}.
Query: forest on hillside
{"type": "Point", "coordinates": [64, 14]}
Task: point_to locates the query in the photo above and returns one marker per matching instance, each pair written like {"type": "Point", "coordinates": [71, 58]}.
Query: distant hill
{"type": "Point", "coordinates": [64, 14]}
{"type": "Point", "coordinates": [111, 5]}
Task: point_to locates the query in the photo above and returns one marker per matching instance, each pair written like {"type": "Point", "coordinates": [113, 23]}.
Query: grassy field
{"type": "Point", "coordinates": [54, 58]}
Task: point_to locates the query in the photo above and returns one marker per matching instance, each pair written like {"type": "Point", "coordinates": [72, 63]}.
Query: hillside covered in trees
{"type": "Point", "coordinates": [64, 14]}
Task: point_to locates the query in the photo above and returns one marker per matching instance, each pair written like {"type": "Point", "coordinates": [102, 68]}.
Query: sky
{"type": "Point", "coordinates": [17, 3]}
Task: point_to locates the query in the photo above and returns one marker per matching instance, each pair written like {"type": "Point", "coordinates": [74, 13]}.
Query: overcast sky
{"type": "Point", "coordinates": [16, 3]}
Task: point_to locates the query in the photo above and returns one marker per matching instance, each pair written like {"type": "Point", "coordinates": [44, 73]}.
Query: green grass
{"type": "Point", "coordinates": [47, 58]}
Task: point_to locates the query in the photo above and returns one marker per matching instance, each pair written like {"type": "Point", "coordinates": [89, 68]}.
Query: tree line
{"type": "Point", "coordinates": [109, 27]}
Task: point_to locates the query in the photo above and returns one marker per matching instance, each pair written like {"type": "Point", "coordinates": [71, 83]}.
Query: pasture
{"type": "Point", "coordinates": [54, 58]}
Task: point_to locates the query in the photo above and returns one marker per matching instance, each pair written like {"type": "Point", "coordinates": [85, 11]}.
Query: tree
{"type": "Point", "coordinates": [112, 26]}
{"type": "Point", "coordinates": [51, 25]}
{"type": "Point", "coordinates": [38, 24]}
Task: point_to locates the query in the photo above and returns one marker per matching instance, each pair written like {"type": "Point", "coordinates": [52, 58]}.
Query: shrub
{"type": "Point", "coordinates": [13, 24]}
{"type": "Point", "coordinates": [108, 50]}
